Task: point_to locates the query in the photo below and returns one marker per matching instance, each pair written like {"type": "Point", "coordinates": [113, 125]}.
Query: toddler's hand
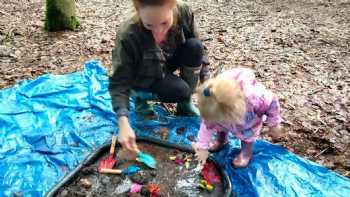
{"type": "Point", "coordinates": [201, 155]}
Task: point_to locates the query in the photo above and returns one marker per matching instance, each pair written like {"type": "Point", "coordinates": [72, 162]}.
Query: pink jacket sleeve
{"type": "Point", "coordinates": [268, 105]}
{"type": "Point", "coordinates": [204, 136]}
{"type": "Point", "coordinates": [265, 102]}
{"type": "Point", "coordinates": [273, 113]}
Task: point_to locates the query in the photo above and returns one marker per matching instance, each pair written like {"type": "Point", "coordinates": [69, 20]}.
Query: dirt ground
{"type": "Point", "coordinates": [299, 49]}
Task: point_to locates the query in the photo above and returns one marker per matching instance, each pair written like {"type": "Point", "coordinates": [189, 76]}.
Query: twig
{"type": "Point", "coordinates": [287, 123]}
{"type": "Point", "coordinates": [290, 106]}
{"type": "Point", "coordinates": [347, 173]}
{"type": "Point", "coordinates": [316, 91]}
{"type": "Point", "coordinates": [218, 58]}
{"type": "Point", "coordinates": [323, 122]}
{"type": "Point", "coordinates": [109, 15]}
{"type": "Point", "coordinates": [328, 42]}
{"type": "Point", "coordinates": [316, 130]}
{"type": "Point", "coordinates": [320, 153]}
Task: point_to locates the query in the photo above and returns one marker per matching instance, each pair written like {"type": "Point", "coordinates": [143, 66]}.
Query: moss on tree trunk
{"type": "Point", "coordinates": [60, 15]}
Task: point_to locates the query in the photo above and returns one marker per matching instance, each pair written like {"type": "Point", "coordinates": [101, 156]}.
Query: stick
{"type": "Point", "coordinates": [315, 91]}
{"type": "Point", "coordinates": [320, 153]}
{"type": "Point", "coordinates": [114, 139]}
{"type": "Point", "coordinates": [110, 171]}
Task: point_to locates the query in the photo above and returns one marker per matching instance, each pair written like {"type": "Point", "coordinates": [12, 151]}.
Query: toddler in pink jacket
{"type": "Point", "coordinates": [235, 102]}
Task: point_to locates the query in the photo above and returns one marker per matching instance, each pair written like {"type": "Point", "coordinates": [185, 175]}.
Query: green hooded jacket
{"type": "Point", "coordinates": [138, 61]}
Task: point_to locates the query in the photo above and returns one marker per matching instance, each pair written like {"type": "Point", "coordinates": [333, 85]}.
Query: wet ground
{"type": "Point", "coordinates": [173, 179]}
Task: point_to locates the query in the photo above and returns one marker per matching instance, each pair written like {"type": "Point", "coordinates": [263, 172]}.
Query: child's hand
{"type": "Point", "coordinates": [201, 155]}
{"type": "Point", "coordinates": [276, 132]}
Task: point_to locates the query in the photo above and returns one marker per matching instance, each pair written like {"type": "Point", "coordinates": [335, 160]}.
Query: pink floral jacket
{"type": "Point", "coordinates": [262, 106]}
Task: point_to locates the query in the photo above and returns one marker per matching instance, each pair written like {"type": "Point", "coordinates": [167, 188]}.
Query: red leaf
{"type": "Point", "coordinates": [210, 174]}
{"type": "Point", "coordinates": [154, 189]}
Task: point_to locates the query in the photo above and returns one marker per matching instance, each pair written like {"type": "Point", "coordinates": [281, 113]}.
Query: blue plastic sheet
{"type": "Point", "coordinates": [51, 124]}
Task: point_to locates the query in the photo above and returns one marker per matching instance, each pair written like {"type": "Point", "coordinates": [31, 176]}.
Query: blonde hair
{"type": "Point", "coordinates": [221, 100]}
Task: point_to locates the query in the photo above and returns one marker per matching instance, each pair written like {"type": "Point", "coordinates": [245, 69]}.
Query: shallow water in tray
{"type": "Point", "coordinates": [173, 179]}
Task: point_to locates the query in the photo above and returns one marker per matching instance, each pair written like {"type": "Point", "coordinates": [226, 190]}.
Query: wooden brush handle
{"type": "Point", "coordinates": [137, 151]}
{"type": "Point", "coordinates": [114, 140]}
{"type": "Point", "coordinates": [110, 171]}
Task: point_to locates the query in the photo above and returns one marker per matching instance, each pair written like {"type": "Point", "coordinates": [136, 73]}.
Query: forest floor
{"type": "Point", "coordinates": [298, 48]}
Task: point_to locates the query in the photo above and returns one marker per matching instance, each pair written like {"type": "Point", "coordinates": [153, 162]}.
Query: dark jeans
{"type": "Point", "coordinates": [172, 88]}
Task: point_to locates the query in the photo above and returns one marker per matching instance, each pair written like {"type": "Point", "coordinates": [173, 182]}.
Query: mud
{"type": "Point", "coordinates": [173, 179]}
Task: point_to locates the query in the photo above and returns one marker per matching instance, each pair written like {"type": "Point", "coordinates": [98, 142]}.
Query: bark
{"type": "Point", "coordinates": [61, 15]}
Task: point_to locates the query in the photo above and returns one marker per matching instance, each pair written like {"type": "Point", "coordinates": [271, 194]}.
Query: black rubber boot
{"type": "Point", "coordinates": [187, 108]}
{"type": "Point", "coordinates": [141, 105]}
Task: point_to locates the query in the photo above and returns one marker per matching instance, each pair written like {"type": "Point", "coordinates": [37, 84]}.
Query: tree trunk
{"type": "Point", "coordinates": [60, 15]}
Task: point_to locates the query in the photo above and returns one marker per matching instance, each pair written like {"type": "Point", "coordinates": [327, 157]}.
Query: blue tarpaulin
{"type": "Point", "coordinates": [51, 124]}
